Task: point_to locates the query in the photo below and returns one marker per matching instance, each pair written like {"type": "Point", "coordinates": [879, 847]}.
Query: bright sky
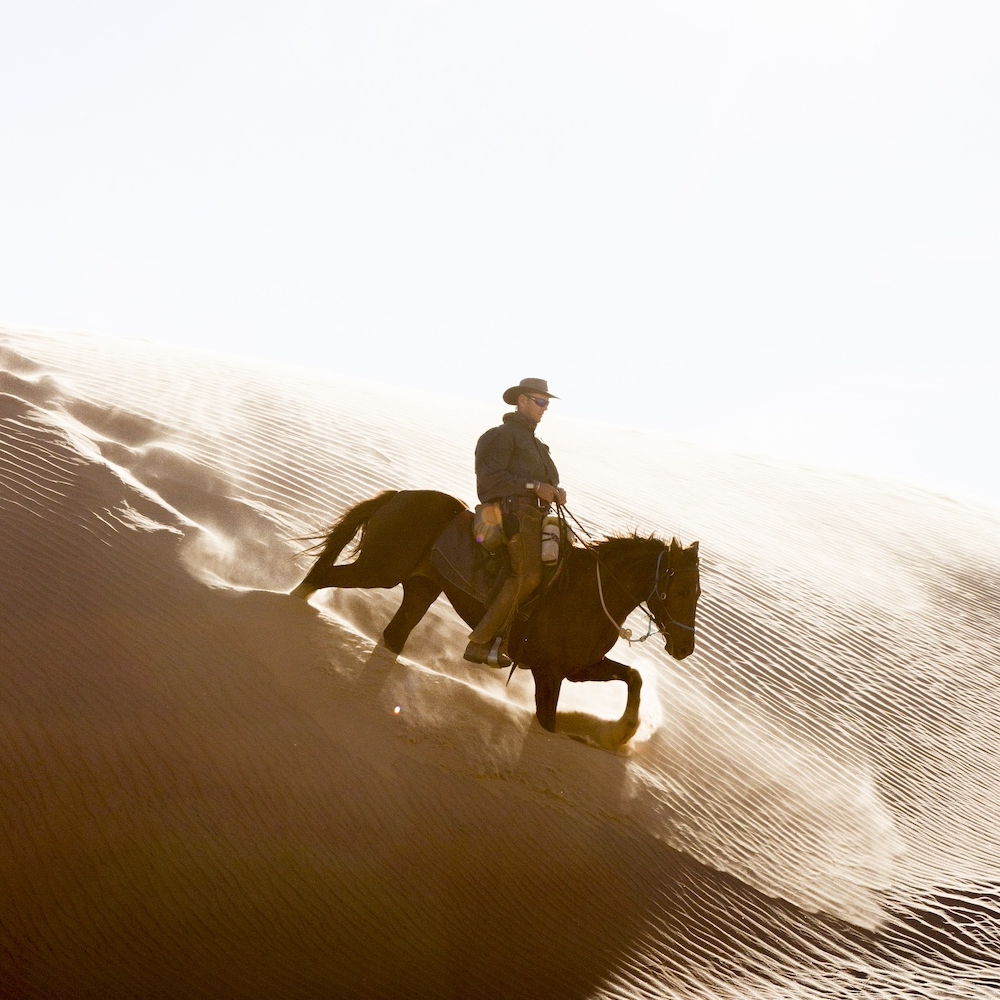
{"type": "Point", "coordinates": [773, 224]}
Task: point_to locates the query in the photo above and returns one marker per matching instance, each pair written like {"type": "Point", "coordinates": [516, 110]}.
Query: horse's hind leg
{"type": "Point", "coordinates": [419, 593]}
{"type": "Point", "coordinates": [361, 574]}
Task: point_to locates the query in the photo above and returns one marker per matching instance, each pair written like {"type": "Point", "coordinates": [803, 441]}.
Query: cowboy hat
{"type": "Point", "coordinates": [528, 387]}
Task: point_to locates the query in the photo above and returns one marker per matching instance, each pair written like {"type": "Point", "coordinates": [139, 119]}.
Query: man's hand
{"type": "Point", "coordinates": [550, 494]}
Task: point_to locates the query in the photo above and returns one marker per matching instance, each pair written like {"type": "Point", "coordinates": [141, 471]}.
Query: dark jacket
{"type": "Point", "coordinates": [510, 455]}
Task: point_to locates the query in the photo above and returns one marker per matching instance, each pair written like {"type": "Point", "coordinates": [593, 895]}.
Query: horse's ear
{"type": "Point", "coordinates": [675, 544]}
{"type": "Point", "coordinates": [694, 548]}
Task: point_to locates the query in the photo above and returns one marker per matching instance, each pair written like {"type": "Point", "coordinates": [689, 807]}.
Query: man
{"type": "Point", "coordinates": [515, 469]}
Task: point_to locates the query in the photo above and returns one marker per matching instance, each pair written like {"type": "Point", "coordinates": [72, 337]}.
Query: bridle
{"type": "Point", "coordinates": [668, 574]}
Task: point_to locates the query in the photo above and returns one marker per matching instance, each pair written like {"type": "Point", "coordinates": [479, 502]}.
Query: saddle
{"type": "Point", "coordinates": [466, 564]}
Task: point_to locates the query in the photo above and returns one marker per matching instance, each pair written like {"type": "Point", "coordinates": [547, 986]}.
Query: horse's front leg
{"type": "Point", "coordinates": [547, 687]}
{"type": "Point", "coordinates": [612, 670]}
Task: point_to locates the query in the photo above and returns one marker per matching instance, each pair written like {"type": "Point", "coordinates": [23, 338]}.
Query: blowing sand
{"type": "Point", "coordinates": [212, 789]}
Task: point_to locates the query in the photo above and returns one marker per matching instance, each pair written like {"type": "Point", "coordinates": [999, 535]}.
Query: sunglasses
{"type": "Point", "coordinates": [539, 402]}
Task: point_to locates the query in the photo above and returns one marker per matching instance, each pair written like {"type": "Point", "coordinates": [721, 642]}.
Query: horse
{"type": "Point", "coordinates": [567, 630]}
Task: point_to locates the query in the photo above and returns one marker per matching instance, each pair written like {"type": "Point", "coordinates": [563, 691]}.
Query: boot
{"type": "Point", "coordinates": [491, 655]}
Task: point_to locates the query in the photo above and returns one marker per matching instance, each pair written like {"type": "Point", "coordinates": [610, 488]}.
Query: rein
{"type": "Point", "coordinates": [626, 633]}
{"type": "Point", "coordinates": [623, 633]}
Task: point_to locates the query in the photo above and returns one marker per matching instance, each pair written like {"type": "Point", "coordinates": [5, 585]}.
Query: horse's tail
{"type": "Point", "coordinates": [333, 541]}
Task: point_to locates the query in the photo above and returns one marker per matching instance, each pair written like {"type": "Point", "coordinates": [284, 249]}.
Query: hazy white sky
{"type": "Point", "coordinates": [768, 223]}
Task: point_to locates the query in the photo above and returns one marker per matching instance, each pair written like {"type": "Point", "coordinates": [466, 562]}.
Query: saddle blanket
{"type": "Point", "coordinates": [464, 563]}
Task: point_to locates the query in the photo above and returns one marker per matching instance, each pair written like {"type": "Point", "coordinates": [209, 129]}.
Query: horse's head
{"type": "Point", "coordinates": [674, 597]}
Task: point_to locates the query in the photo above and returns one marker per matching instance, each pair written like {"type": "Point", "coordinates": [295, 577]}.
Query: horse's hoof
{"type": "Point", "coordinates": [394, 648]}
{"type": "Point", "coordinates": [627, 728]}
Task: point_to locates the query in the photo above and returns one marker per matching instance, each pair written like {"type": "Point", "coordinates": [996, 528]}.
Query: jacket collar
{"type": "Point", "coordinates": [520, 420]}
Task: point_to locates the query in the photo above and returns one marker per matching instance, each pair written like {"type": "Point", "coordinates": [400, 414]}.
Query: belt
{"type": "Point", "coordinates": [514, 503]}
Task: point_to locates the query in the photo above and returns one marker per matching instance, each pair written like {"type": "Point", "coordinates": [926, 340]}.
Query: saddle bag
{"type": "Point", "coordinates": [487, 524]}
{"type": "Point", "coordinates": [553, 537]}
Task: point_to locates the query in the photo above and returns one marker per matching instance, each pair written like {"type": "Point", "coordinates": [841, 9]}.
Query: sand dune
{"type": "Point", "coordinates": [211, 789]}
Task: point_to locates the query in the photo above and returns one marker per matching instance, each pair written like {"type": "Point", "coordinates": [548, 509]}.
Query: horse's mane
{"type": "Point", "coordinates": [613, 543]}
{"type": "Point", "coordinates": [610, 546]}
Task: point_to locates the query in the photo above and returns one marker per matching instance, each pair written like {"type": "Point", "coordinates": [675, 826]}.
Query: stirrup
{"type": "Point", "coordinates": [497, 657]}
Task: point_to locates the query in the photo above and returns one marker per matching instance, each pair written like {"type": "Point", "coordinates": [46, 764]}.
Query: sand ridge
{"type": "Point", "coordinates": [210, 792]}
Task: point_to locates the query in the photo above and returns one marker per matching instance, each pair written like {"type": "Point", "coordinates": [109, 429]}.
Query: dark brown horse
{"type": "Point", "coordinates": [568, 630]}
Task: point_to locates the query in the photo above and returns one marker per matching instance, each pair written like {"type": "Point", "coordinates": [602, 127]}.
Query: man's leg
{"type": "Point", "coordinates": [525, 551]}
{"type": "Point", "coordinates": [503, 607]}
{"type": "Point", "coordinates": [530, 566]}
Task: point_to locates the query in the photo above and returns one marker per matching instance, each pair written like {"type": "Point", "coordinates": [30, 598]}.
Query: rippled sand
{"type": "Point", "coordinates": [211, 789]}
